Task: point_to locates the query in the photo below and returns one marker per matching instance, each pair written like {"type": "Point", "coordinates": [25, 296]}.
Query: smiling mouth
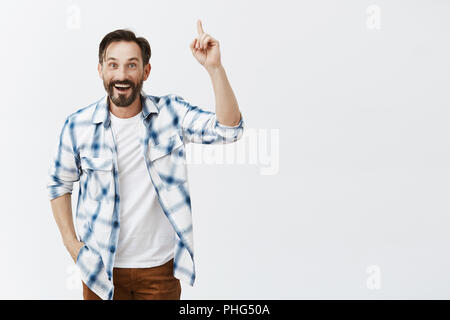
{"type": "Point", "coordinates": [122, 87]}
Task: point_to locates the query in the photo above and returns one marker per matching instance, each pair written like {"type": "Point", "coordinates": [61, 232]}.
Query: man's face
{"type": "Point", "coordinates": [122, 72]}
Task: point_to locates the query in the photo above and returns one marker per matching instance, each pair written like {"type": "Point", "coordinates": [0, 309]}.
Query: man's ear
{"type": "Point", "coordinates": [147, 69]}
{"type": "Point", "coordinates": [99, 68]}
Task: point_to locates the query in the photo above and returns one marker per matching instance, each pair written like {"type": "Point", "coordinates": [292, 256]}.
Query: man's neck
{"type": "Point", "coordinates": [126, 112]}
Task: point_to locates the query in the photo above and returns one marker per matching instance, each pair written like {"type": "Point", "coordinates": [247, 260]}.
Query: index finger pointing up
{"type": "Point", "coordinates": [199, 27]}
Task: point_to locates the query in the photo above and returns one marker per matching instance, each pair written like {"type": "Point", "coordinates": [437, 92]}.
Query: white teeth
{"type": "Point", "coordinates": [122, 85]}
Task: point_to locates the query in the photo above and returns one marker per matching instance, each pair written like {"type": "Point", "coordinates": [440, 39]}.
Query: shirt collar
{"type": "Point", "coordinates": [101, 112]}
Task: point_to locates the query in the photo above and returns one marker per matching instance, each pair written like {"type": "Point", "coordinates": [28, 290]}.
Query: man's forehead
{"type": "Point", "coordinates": [116, 50]}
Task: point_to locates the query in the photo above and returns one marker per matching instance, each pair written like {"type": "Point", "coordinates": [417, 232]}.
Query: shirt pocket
{"type": "Point", "coordinates": [169, 160]}
{"type": "Point", "coordinates": [99, 176]}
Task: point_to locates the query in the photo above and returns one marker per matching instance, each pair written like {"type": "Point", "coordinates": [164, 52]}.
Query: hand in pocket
{"type": "Point", "coordinates": [74, 249]}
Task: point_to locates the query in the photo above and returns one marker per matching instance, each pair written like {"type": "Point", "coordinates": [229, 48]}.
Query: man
{"type": "Point", "coordinates": [127, 150]}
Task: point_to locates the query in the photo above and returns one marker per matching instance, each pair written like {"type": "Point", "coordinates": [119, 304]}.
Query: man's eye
{"type": "Point", "coordinates": [132, 65]}
{"type": "Point", "coordinates": [112, 65]}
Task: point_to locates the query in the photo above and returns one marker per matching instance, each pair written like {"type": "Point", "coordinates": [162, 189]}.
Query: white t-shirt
{"type": "Point", "coordinates": [146, 237]}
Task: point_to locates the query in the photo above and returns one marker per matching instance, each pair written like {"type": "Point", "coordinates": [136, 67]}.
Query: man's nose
{"type": "Point", "coordinates": [122, 74]}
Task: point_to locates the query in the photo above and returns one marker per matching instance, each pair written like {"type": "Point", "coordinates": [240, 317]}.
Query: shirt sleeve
{"type": "Point", "coordinates": [64, 169]}
{"type": "Point", "coordinates": [201, 126]}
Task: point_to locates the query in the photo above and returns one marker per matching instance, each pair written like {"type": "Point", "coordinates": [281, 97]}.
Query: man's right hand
{"type": "Point", "coordinates": [74, 249]}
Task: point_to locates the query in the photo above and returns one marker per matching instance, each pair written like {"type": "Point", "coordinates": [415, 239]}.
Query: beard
{"type": "Point", "coordinates": [123, 99]}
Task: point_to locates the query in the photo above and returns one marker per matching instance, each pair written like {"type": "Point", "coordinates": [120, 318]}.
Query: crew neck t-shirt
{"type": "Point", "coordinates": [146, 237]}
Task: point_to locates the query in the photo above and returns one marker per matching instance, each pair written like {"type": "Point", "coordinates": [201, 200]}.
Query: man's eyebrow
{"type": "Point", "coordinates": [112, 58]}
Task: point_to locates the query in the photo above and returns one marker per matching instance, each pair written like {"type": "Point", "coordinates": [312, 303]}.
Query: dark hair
{"type": "Point", "coordinates": [124, 35]}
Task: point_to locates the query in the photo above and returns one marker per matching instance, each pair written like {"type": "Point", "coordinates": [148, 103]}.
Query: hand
{"type": "Point", "coordinates": [206, 49]}
{"type": "Point", "coordinates": [74, 249]}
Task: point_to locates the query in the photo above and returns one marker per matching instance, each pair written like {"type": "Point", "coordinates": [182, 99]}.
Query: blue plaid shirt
{"type": "Point", "coordinates": [86, 152]}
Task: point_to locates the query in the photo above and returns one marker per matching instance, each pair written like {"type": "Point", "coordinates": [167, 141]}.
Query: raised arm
{"type": "Point", "coordinates": [206, 50]}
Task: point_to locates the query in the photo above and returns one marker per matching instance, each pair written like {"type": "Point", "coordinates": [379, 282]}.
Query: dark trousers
{"type": "Point", "coordinates": [155, 283]}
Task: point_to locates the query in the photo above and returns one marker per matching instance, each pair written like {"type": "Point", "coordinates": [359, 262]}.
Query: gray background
{"type": "Point", "coordinates": [362, 116]}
